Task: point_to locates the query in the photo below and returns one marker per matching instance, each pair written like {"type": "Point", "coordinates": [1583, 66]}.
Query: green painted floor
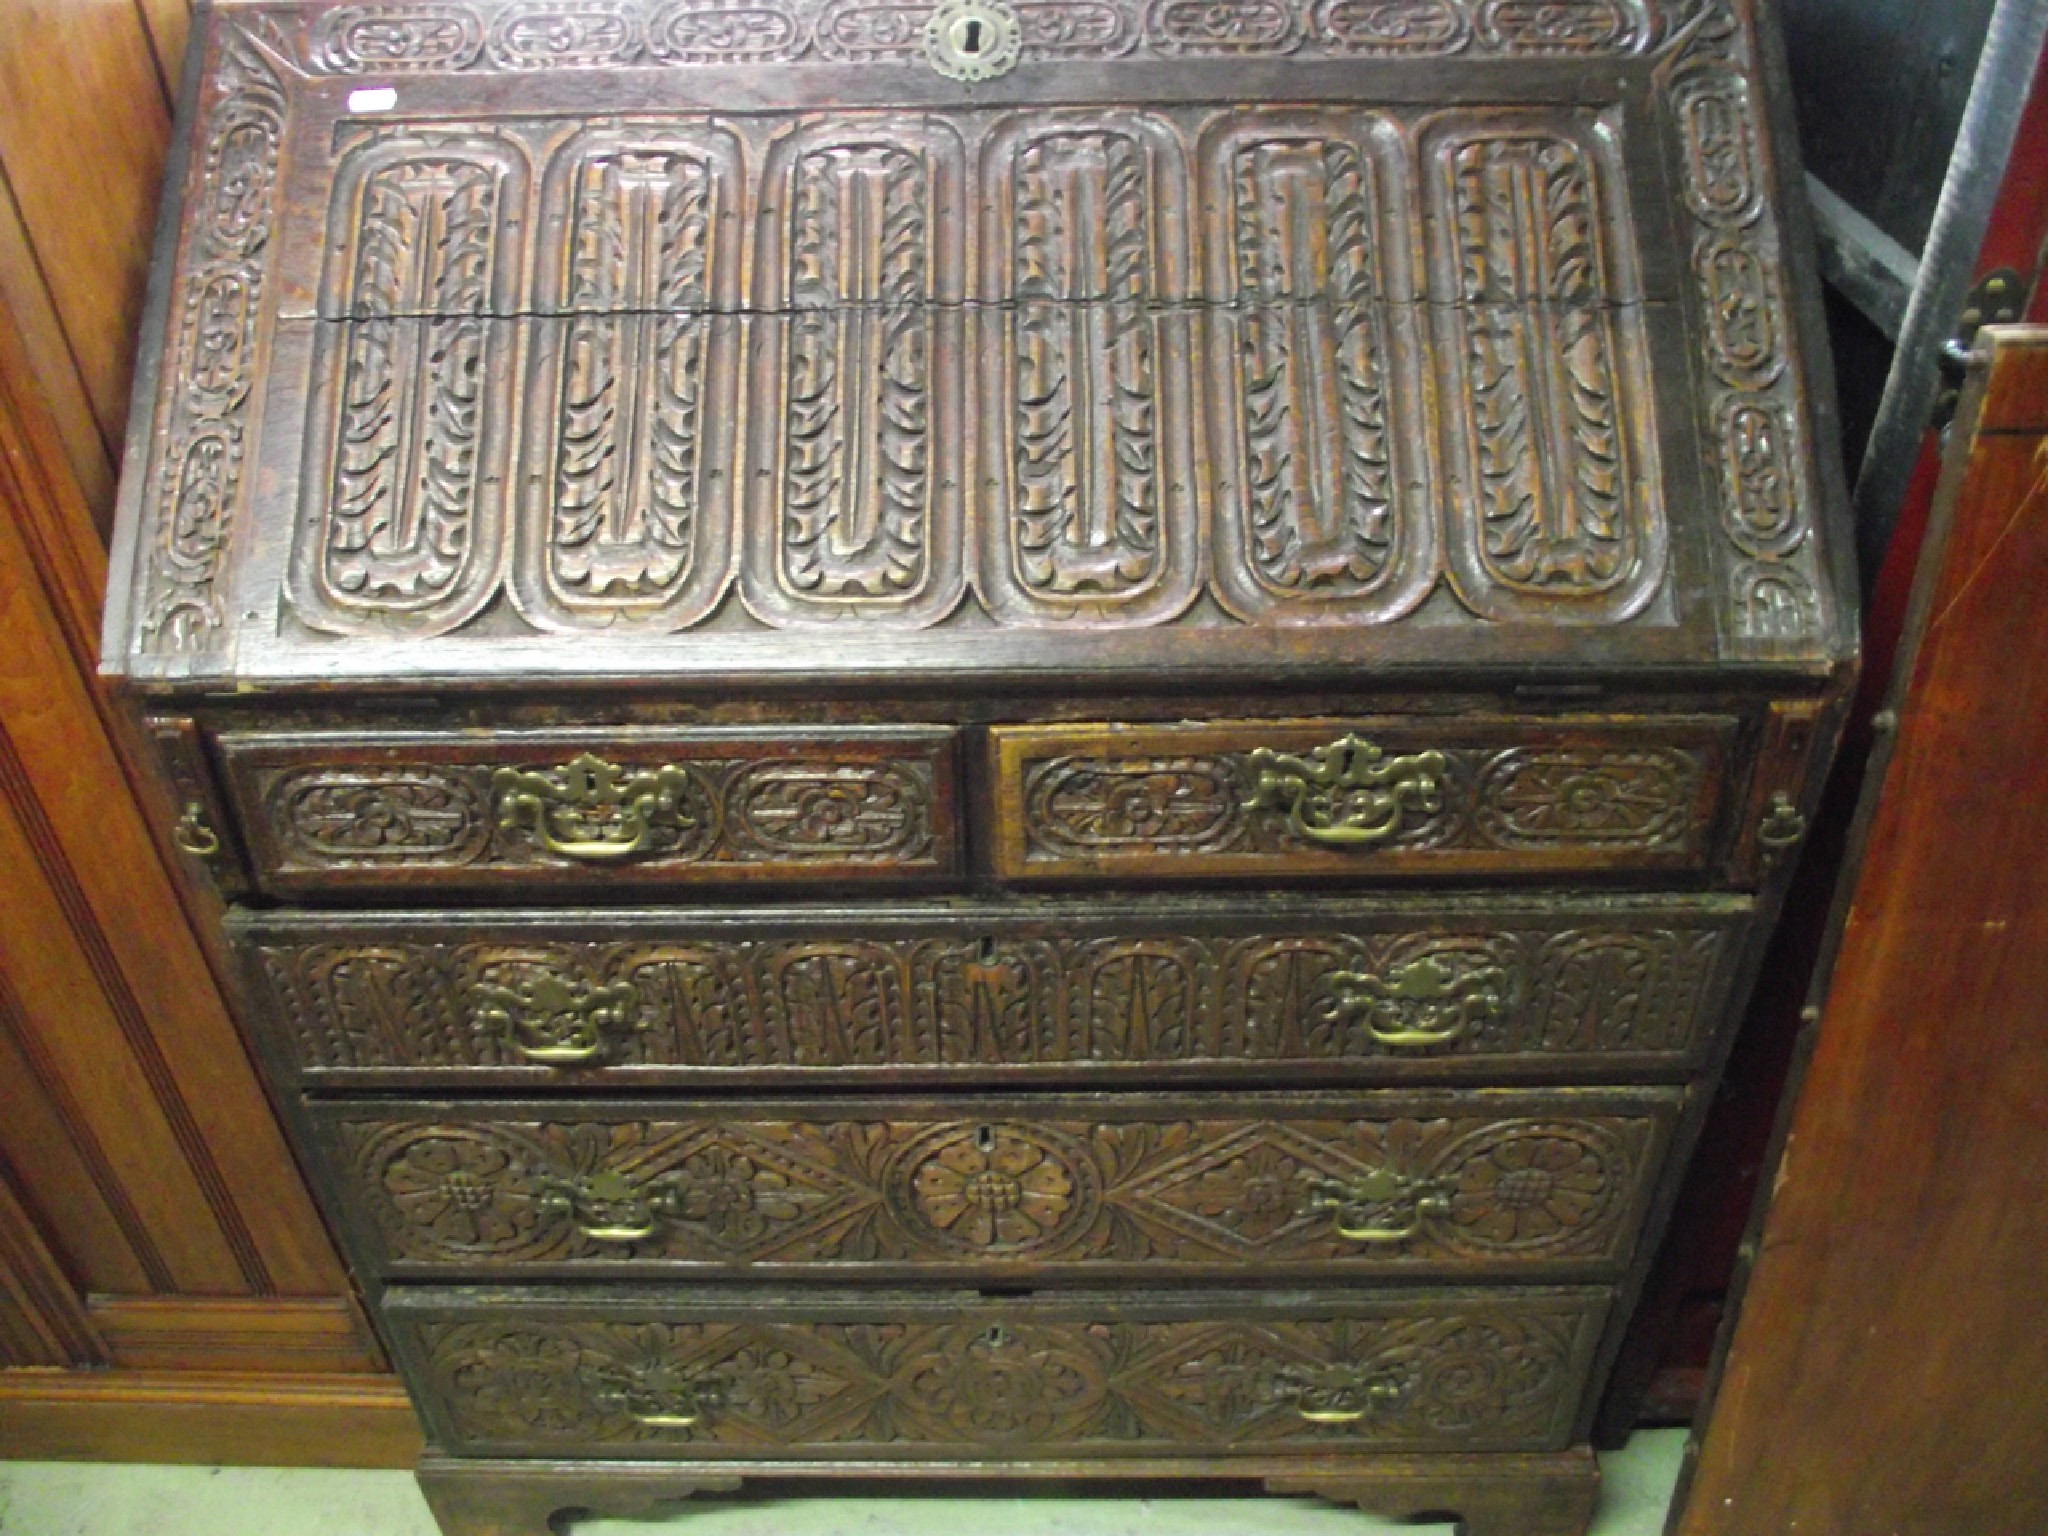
{"type": "Point", "coordinates": [50, 1498]}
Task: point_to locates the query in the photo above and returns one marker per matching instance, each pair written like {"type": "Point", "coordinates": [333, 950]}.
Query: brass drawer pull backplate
{"type": "Point", "coordinates": [1348, 793]}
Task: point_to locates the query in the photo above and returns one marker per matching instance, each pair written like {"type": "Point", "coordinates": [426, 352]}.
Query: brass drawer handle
{"type": "Point", "coordinates": [1355, 1206]}
{"type": "Point", "coordinates": [1349, 793]}
{"type": "Point", "coordinates": [194, 834]}
{"type": "Point", "coordinates": [591, 810]}
{"type": "Point", "coordinates": [606, 1206]}
{"type": "Point", "coordinates": [1783, 825]}
{"type": "Point", "coordinates": [554, 1021]}
{"type": "Point", "coordinates": [1378, 1394]}
{"type": "Point", "coordinates": [618, 1234]}
{"type": "Point", "coordinates": [1428, 1001]}
{"type": "Point", "coordinates": [668, 1420]}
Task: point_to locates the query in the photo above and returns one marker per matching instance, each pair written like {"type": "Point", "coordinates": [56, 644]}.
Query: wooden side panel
{"type": "Point", "coordinates": [1885, 1373]}
{"type": "Point", "coordinates": [84, 130]}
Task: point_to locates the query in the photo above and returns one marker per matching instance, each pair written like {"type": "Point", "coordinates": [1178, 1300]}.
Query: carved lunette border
{"type": "Point", "coordinates": [1772, 600]}
{"type": "Point", "coordinates": [216, 314]}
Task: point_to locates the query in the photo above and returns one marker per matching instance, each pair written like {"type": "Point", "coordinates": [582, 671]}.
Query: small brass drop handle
{"type": "Point", "coordinates": [668, 1420]}
{"type": "Point", "coordinates": [194, 834]}
{"type": "Point", "coordinates": [1784, 824]}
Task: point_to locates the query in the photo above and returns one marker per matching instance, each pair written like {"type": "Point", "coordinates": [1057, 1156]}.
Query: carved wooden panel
{"type": "Point", "coordinates": [1074, 991]}
{"type": "Point", "coordinates": [532, 809]}
{"type": "Point", "coordinates": [625, 518]}
{"type": "Point", "coordinates": [1523, 1183]}
{"type": "Point", "coordinates": [1542, 354]}
{"type": "Point", "coordinates": [998, 431]}
{"type": "Point", "coordinates": [1474, 796]}
{"type": "Point", "coordinates": [1032, 1378]}
{"type": "Point", "coordinates": [199, 463]}
{"type": "Point", "coordinates": [402, 520]}
{"type": "Point", "coordinates": [1088, 509]}
{"type": "Point", "coordinates": [856, 511]}
{"type": "Point", "coordinates": [1326, 506]}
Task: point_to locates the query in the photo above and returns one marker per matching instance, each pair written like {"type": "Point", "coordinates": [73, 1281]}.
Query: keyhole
{"type": "Point", "coordinates": [971, 43]}
{"type": "Point", "coordinates": [985, 951]}
{"type": "Point", "coordinates": [985, 1139]}
{"type": "Point", "coordinates": [996, 1337]}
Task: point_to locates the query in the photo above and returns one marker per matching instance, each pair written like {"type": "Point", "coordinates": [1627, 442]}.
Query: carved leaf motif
{"type": "Point", "coordinates": [1085, 524]}
{"type": "Point", "coordinates": [855, 446]}
{"type": "Point", "coordinates": [1548, 451]}
{"type": "Point", "coordinates": [1537, 798]}
{"type": "Point", "coordinates": [1322, 522]}
{"type": "Point", "coordinates": [1004, 1001]}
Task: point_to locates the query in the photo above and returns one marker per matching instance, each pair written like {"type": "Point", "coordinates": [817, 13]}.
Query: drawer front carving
{"type": "Point", "coordinates": [1377, 799]}
{"type": "Point", "coordinates": [1380, 990]}
{"type": "Point", "coordinates": [894, 1376]}
{"type": "Point", "coordinates": [1440, 1184]}
{"type": "Point", "coordinates": [487, 812]}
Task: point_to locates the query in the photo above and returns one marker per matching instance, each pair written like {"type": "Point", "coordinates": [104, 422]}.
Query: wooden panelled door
{"type": "Point", "coordinates": [167, 1290]}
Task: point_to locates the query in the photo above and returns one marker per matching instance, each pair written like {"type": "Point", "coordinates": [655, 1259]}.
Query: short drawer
{"type": "Point", "coordinates": [1493, 1183]}
{"type": "Point", "coordinates": [739, 1375]}
{"type": "Point", "coordinates": [1187, 989]}
{"type": "Point", "coordinates": [494, 812]}
{"type": "Point", "coordinates": [1367, 799]}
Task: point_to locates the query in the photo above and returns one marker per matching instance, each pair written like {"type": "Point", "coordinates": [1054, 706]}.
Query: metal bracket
{"type": "Point", "coordinates": [1999, 298]}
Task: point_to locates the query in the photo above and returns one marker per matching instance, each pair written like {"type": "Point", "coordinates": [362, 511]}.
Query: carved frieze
{"type": "Point", "coordinates": [1234, 804]}
{"type": "Point", "coordinates": [1568, 988]}
{"type": "Point", "coordinates": [1450, 1193]}
{"type": "Point", "coordinates": [195, 489]}
{"type": "Point", "coordinates": [1447, 1374]}
{"type": "Point", "coordinates": [450, 35]}
{"type": "Point", "coordinates": [1773, 586]}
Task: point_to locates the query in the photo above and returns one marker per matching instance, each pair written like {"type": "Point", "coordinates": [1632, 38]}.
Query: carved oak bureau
{"type": "Point", "coordinates": [1018, 739]}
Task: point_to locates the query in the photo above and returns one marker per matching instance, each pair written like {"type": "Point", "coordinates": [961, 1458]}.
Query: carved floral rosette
{"type": "Point", "coordinates": [1429, 1192]}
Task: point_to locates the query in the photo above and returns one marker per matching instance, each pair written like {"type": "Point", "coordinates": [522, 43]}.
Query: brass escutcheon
{"type": "Point", "coordinates": [970, 40]}
{"type": "Point", "coordinates": [1425, 1002]}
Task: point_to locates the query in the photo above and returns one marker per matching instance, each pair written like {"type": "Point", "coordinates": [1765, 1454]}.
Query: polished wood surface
{"type": "Point", "coordinates": [154, 1231]}
{"type": "Point", "coordinates": [1885, 1369]}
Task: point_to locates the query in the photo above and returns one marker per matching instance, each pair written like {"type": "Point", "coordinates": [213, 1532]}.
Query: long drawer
{"type": "Point", "coordinates": [593, 810]}
{"type": "Point", "coordinates": [734, 1375]}
{"type": "Point", "coordinates": [1476, 1183]}
{"type": "Point", "coordinates": [1183, 990]}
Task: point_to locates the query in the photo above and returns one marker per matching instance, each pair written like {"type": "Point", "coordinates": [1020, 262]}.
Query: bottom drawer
{"type": "Point", "coordinates": [731, 1375]}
